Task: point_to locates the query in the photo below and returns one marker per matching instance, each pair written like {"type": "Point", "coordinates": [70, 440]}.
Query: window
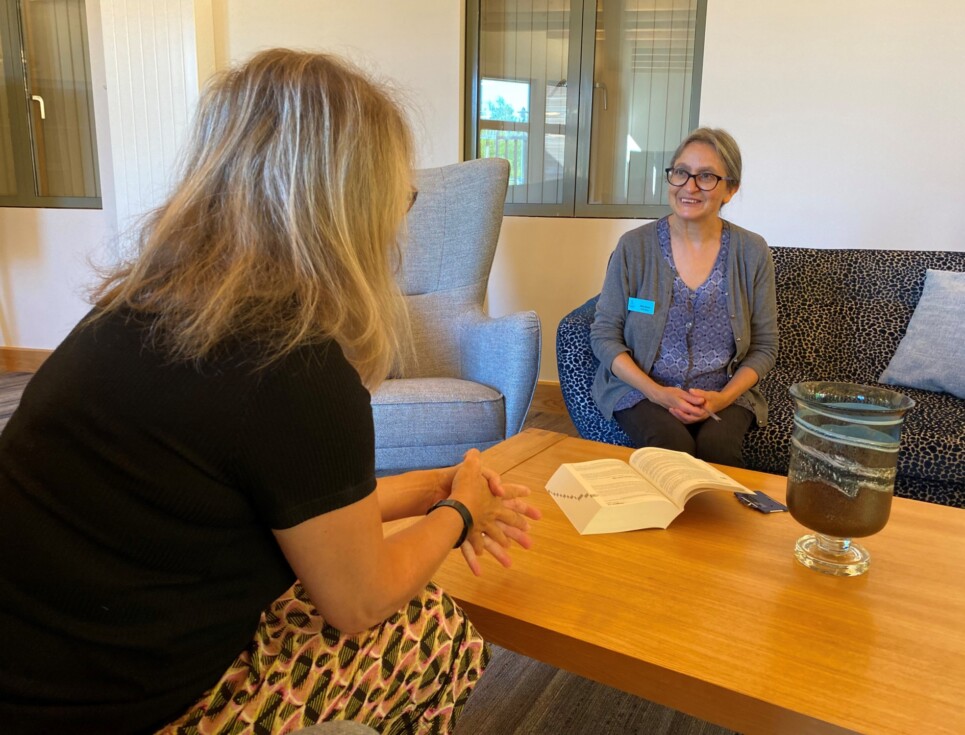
{"type": "Point", "coordinates": [48, 155]}
{"type": "Point", "coordinates": [587, 99]}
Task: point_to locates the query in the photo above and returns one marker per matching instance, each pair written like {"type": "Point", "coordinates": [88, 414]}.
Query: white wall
{"type": "Point", "coordinates": [151, 62]}
{"type": "Point", "coordinates": [416, 45]}
{"type": "Point", "coordinates": [45, 272]}
{"type": "Point", "coordinates": [848, 114]}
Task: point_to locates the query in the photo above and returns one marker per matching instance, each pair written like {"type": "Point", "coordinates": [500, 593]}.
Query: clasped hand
{"type": "Point", "coordinates": [690, 406]}
{"type": "Point", "coordinates": [501, 515]}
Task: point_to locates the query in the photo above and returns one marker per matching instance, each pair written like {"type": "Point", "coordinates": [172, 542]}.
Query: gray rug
{"type": "Point", "coordinates": [521, 696]}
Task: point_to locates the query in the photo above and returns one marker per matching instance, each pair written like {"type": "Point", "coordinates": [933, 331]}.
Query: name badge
{"type": "Point", "coordinates": [641, 306]}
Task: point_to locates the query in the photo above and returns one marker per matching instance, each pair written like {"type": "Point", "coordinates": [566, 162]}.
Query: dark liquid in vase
{"type": "Point", "coordinates": [824, 509]}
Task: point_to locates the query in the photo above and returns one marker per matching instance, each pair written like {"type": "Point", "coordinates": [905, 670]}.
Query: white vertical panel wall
{"type": "Point", "coordinates": [150, 54]}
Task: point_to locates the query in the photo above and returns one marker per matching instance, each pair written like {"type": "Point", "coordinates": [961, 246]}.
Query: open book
{"type": "Point", "coordinates": [609, 495]}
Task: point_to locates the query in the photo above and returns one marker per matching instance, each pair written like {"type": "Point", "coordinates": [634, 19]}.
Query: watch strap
{"type": "Point", "coordinates": [462, 510]}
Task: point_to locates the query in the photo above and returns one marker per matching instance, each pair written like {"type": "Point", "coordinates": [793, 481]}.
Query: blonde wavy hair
{"type": "Point", "coordinates": [284, 227]}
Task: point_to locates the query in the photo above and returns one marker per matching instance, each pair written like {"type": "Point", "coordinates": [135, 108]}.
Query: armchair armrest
{"type": "Point", "coordinates": [577, 365]}
{"type": "Point", "coordinates": [503, 353]}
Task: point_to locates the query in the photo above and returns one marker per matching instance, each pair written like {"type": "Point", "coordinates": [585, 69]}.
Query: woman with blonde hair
{"type": "Point", "coordinates": [204, 438]}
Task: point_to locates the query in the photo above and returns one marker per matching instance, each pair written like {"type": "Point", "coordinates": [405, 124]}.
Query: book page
{"type": "Point", "coordinates": [614, 482]}
{"type": "Point", "coordinates": [679, 475]}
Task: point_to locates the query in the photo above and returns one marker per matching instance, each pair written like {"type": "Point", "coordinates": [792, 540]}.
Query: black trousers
{"type": "Point", "coordinates": [651, 425]}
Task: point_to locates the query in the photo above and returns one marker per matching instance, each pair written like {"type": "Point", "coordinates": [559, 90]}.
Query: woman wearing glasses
{"type": "Point", "coordinates": [686, 323]}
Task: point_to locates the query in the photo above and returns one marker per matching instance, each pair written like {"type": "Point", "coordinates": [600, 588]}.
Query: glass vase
{"type": "Point", "coordinates": [841, 476]}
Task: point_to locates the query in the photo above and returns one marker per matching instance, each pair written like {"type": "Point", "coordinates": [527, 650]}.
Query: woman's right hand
{"type": "Point", "coordinates": [683, 405]}
{"type": "Point", "coordinates": [500, 512]}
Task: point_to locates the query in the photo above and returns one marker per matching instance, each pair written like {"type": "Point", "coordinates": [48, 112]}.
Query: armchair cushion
{"type": "Point", "coordinates": [425, 421]}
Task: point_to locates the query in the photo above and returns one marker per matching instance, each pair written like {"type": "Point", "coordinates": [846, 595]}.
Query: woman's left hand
{"type": "Point", "coordinates": [479, 542]}
{"type": "Point", "coordinates": [714, 401]}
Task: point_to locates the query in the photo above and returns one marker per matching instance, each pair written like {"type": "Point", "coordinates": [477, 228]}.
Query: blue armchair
{"type": "Point", "coordinates": [473, 377]}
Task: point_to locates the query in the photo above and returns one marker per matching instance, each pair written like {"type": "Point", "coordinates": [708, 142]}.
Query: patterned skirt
{"type": "Point", "coordinates": [411, 674]}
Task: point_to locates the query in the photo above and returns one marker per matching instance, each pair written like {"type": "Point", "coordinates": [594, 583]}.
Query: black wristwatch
{"type": "Point", "coordinates": [462, 510]}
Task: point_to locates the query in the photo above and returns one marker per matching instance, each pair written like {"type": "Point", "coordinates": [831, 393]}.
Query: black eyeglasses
{"type": "Point", "coordinates": [412, 197]}
{"type": "Point", "coordinates": [705, 180]}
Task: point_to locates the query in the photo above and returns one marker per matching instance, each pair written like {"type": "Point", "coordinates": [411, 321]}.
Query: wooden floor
{"type": "Point", "coordinates": [548, 411]}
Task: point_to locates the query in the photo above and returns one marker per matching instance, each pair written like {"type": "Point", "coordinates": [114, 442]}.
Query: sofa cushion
{"type": "Point", "coordinates": [842, 313]}
{"type": "Point", "coordinates": [930, 465]}
{"type": "Point", "coordinates": [931, 460]}
{"type": "Point", "coordinates": [931, 355]}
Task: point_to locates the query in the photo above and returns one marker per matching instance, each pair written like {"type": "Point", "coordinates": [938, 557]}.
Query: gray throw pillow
{"type": "Point", "coordinates": [931, 355]}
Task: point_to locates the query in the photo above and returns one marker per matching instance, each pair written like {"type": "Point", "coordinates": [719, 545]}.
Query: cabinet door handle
{"type": "Point", "coordinates": [43, 110]}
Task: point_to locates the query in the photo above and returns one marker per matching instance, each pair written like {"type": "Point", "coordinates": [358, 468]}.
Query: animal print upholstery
{"type": "Point", "coordinates": [841, 315]}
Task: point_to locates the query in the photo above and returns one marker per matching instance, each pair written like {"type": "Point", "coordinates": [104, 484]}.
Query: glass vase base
{"type": "Point", "coordinates": [839, 557]}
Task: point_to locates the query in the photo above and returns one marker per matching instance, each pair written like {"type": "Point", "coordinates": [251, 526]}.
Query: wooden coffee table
{"type": "Point", "coordinates": [715, 618]}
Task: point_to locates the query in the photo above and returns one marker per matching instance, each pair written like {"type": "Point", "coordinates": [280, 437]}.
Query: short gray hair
{"type": "Point", "coordinates": [722, 142]}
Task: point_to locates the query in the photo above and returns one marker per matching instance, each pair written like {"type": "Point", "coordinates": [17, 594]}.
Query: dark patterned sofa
{"type": "Point", "coordinates": [841, 314]}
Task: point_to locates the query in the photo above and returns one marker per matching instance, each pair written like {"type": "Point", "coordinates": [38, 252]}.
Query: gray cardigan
{"type": "Point", "coordinates": [638, 269]}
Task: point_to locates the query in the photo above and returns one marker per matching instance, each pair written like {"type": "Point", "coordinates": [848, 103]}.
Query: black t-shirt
{"type": "Point", "coordinates": [137, 498]}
